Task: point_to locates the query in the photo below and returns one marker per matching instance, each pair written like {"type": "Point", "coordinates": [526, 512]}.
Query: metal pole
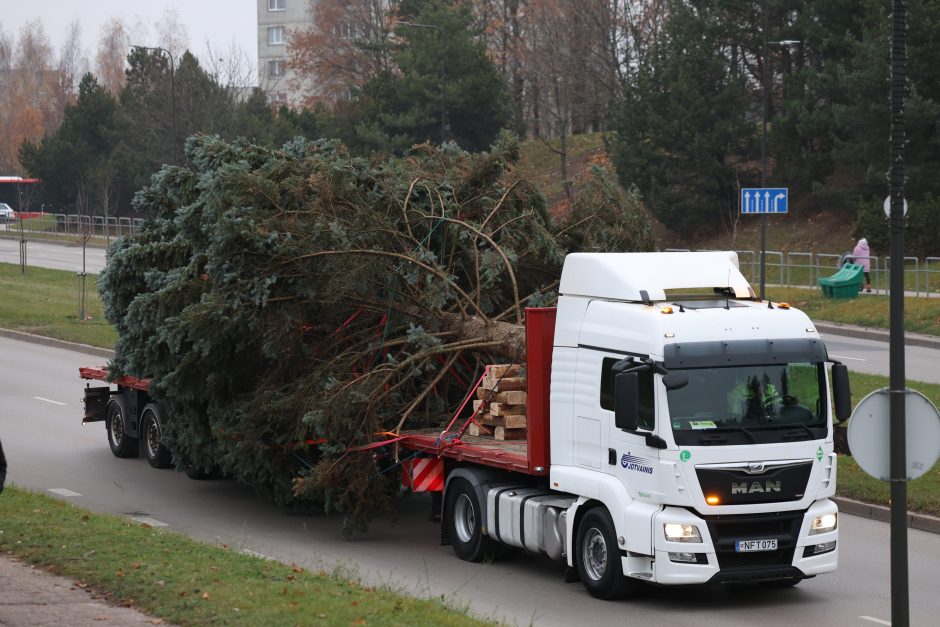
{"type": "Point", "coordinates": [900, 611]}
{"type": "Point", "coordinates": [763, 157]}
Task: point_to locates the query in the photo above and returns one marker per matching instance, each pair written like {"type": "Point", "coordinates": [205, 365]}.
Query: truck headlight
{"type": "Point", "coordinates": [823, 524]}
{"type": "Point", "coordinates": [677, 532]}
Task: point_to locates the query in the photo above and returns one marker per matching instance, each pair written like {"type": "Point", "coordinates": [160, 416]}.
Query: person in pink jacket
{"type": "Point", "coordinates": [861, 256]}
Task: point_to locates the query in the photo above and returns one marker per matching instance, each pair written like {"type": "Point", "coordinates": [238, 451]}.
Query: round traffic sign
{"type": "Point", "coordinates": [887, 207]}
{"type": "Point", "coordinates": [870, 435]}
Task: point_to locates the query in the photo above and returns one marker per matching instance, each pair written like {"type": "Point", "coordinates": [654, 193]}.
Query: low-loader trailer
{"type": "Point", "coordinates": [679, 431]}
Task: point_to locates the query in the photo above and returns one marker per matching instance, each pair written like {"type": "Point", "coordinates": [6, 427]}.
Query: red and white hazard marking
{"type": "Point", "coordinates": [425, 474]}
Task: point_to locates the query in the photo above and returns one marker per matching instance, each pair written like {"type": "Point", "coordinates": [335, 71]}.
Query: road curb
{"type": "Point", "coordinates": [881, 513]}
{"type": "Point", "coordinates": [881, 335]}
{"type": "Point", "coordinates": [56, 343]}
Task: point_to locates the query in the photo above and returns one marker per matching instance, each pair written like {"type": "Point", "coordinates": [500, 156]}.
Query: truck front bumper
{"type": "Point", "coordinates": [718, 557]}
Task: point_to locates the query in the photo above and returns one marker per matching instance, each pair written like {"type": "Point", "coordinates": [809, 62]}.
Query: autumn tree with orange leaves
{"type": "Point", "coordinates": [345, 47]}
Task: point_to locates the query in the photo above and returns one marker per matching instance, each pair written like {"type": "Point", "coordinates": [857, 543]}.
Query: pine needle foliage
{"type": "Point", "coordinates": [291, 303]}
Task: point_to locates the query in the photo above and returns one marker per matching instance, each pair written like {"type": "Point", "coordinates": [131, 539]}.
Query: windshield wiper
{"type": "Point", "coordinates": [718, 439]}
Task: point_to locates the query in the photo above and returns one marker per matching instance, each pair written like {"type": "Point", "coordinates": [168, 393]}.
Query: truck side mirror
{"type": "Point", "coordinates": [675, 380]}
{"type": "Point", "coordinates": [841, 392]}
{"type": "Point", "coordinates": [626, 400]}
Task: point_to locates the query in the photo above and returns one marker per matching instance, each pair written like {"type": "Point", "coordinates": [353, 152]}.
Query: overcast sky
{"type": "Point", "coordinates": [219, 22]}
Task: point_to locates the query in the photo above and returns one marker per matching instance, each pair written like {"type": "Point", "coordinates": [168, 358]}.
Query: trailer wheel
{"type": "Point", "coordinates": [194, 472]}
{"type": "Point", "coordinates": [122, 445]}
{"type": "Point", "coordinates": [464, 523]}
{"type": "Point", "coordinates": [151, 428]}
{"type": "Point", "coordinates": [597, 557]}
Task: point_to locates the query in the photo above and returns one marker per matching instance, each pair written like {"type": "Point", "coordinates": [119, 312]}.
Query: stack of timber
{"type": "Point", "coordinates": [500, 405]}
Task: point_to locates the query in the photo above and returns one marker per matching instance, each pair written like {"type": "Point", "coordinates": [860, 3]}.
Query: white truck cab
{"type": "Point", "coordinates": [697, 416]}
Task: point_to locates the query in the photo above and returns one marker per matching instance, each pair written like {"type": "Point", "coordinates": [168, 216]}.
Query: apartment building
{"type": "Point", "coordinates": [275, 19]}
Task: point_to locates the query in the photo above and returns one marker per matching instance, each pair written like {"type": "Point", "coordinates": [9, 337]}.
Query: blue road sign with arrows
{"type": "Point", "coordinates": [764, 200]}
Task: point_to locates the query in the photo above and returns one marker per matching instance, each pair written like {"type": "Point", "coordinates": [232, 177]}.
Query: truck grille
{"type": "Point", "coordinates": [726, 530]}
{"type": "Point", "coordinates": [735, 486]}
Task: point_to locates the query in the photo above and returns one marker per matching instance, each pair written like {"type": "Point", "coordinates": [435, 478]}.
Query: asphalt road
{"type": "Point", "coordinates": [54, 256]}
{"type": "Point", "coordinates": [49, 450]}
{"type": "Point", "coordinates": [871, 357]}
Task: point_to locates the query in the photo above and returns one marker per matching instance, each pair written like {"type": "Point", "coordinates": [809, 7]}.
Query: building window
{"type": "Point", "coordinates": [275, 68]}
{"type": "Point", "coordinates": [276, 36]}
{"type": "Point", "coordinates": [277, 5]}
{"type": "Point", "coordinates": [347, 30]}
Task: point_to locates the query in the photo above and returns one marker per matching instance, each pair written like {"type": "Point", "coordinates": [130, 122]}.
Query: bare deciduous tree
{"type": "Point", "coordinates": [113, 46]}
{"type": "Point", "coordinates": [345, 47]}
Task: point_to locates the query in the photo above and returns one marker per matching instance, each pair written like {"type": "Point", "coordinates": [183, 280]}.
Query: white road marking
{"type": "Point", "coordinates": [849, 358]}
{"type": "Point", "coordinates": [876, 620]}
{"type": "Point", "coordinates": [49, 400]}
{"type": "Point", "coordinates": [64, 492]}
{"type": "Point", "coordinates": [147, 520]}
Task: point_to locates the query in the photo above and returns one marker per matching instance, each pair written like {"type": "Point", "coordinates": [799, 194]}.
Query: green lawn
{"type": "Point", "coordinates": [46, 302]}
{"type": "Point", "coordinates": [180, 580]}
{"type": "Point", "coordinates": [854, 483]}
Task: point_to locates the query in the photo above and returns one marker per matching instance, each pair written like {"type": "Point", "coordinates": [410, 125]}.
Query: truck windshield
{"type": "Point", "coordinates": [748, 404]}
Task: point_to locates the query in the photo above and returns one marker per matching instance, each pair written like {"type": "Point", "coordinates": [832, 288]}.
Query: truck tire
{"type": "Point", "coordinates": [597, 557]}
{"type": "Point", "coordinates": [122, 445]}
{"type": "Point", "coordinates": [463, 517]}
{"type": "Point", "coordinates": [151, 430]}
{"type": "Point", "coordinates": [195, 472]}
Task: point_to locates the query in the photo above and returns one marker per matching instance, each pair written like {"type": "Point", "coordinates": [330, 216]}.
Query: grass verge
{"type": "Point", "coordinates": [923, 494]}
{"type": "Point", "coordinates": [177, 579]}
{"type": "Point", "coordinates": [921, 315]}
{"type": "Point", "coordinates": [46, 302]}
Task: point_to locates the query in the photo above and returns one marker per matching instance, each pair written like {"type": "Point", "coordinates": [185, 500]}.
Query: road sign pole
{"type": "Point", "coordinates": [900, 610]}
{"type": "Point", "coordinates": [763, 157]}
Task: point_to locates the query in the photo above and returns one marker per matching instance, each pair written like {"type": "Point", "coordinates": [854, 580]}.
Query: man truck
{"type": "Point", "coordinates": [679, 431]}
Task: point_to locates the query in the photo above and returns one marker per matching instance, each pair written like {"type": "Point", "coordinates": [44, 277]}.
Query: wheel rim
{"type": "Point", "coordinates": [153, 438]}
{"type": "Point", "coordinates": [594, 554]}
{"type": "Point", "coordinates": [117, 427]}
{"type": "Point", "coordinates": [465, 520]}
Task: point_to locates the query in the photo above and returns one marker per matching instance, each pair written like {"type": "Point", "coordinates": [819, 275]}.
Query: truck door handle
{"type": "Point", "coordinates": [611, 457]}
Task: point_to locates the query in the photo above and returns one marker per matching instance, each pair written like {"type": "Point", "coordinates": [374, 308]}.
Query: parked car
{"type": "Point", "coordinates": [6, 213]}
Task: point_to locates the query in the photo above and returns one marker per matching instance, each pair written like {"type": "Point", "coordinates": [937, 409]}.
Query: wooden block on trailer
{"type": "Point", "coordinates": [479, 431]}
{"type": "Point", "coordinates": [509, 422]}
{"type": "Point", "coordinates": [502, 433]}
{"type": "Point", "coordinates": [504, 409]}
{"type": "Point", "coordinates": [504, 370]}
{"type": "Point", "coordinates": [506, 384]}
{"type": "Point", "coordinates": [509, 398]}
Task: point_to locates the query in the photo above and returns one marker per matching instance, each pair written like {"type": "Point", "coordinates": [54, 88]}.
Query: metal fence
{"type": "Point", "coordinates": [788, 269]}
{"type": "Point", "coordinates": [75, 226]}
{"type": "Point", "coordinates": [804, 269]}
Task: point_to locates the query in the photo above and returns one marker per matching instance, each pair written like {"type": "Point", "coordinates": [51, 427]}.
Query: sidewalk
{"type": "Point", "coordinates": [30, 596]}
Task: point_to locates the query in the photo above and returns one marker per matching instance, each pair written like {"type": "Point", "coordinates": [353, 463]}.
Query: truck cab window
{"type": "Point", "coordinates": [647, 415]}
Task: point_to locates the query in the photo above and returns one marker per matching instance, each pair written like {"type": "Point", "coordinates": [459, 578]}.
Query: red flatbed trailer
{"type": "Point", "coordinates": [530, 456]}
{"type": "Point", "coordinates": [100, 373]}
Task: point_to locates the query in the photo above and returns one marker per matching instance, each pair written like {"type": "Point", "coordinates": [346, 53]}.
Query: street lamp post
{"type": "Point", "coordinates": [443, 74]}
{"type": "Point", "coordinates": [172, 88]}
{"type": "Point", "coordinates": [763, 144]}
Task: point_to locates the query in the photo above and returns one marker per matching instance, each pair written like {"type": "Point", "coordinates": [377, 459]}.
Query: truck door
{"type": "Point", "coordinates": [629, 457]}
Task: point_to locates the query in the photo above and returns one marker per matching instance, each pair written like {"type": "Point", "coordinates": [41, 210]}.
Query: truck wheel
{"type": "Point", "coordinates": [598, 558]}
{"type": "Point", "coordinates": [151, 428]}
{"type": "Point", "coordinates": [464, 523]}
{"type": "Point", "coordinates": [122, 445]}
{"type": "Point", "coordinates": [194, 472]}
